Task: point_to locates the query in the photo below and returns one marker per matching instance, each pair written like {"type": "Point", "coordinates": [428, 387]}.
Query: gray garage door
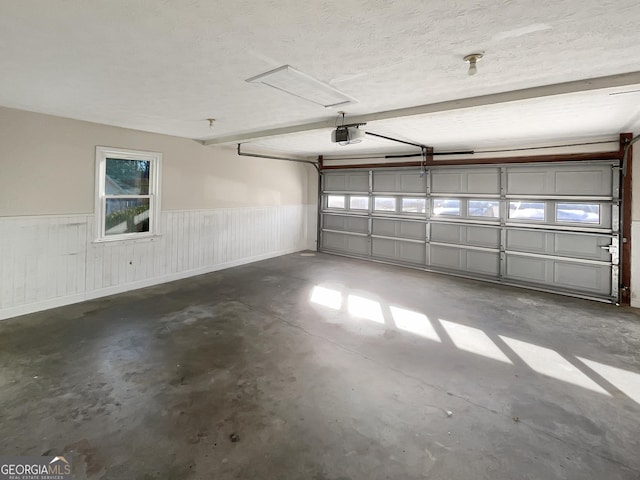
{"type": "Point", "coordinates": [546, 226]}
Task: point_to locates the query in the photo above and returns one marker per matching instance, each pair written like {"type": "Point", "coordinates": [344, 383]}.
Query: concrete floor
{"type": "Point", "coordinates": [152, 383]}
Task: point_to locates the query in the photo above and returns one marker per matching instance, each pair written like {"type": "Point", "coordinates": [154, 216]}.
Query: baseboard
{"type": "Point", "coordinates": [125, 287]}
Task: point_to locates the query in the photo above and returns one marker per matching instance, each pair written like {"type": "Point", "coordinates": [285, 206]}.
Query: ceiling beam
{"type": "Point", "coordinates": [612, 81]}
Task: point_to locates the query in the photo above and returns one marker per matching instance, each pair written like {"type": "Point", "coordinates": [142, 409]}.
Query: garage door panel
{"type": "Point", "coordinates": [358, 245]}
{"type": "Point", "coordinates": [384, 182]}
{"type": "Point", "coordinates": [344, 223]}
{"type": "Point", "coordinates": [596, 181]}
{"type": "Point", "coordinates": [563, 244]}
{"type": "Point", "coordinates": [446, 257]}
{"type": "Point", "coordinates": [334, 241]}
{"type": "Point", "coordinates": [465, 260]}
{"type": "Point", "coordinates": [486, 263]}
{"type": "Point", "coordinates": [413, 183]}
{"type": "Point", "coordinates": [398, 228]}
{"type": "Point", "coordinates": [465, 181]}
{"type": "Point", "coordinates": [526, 241]}
{"type": "Point", "coordinates": [483, 236]}
{"type": "Point", "coordinates": [346, 182]}
{"type": "Point", "coordinates": [399, 182]}
{"type": "Point", "coordinates": [414, 230]}
{"type": "Point", "coordinates": [346, 243]}
{"type": "Point", "coordinates": [529, 182]}
{"type": "Point", "coordinates": [385, 227]}
{"type": "Point", "coordinates": [573, 180]}
{"type": "Point", "coordinates": [412, 252]}
{"type": "Point", "coordinates": [583, 277]}
{"type": "Point", "coordinates": [446, 233]}
{"type": "Point", "coordinates": [446, 182]}
{"type": "Point", "coordinates": [527, 269]}
{"type": "Point", "coordinates": [399, 251]}
{"type": "Point", "coordinates": [382, 247]}
{"type": "Point", "coordinates": [561, 275]}
{"type": "Point", "coordinates": [582, 246]}
{"type": "Point", "coordinates": [487, 182]}
{"type": "Point", "coordinates": [465, 235]}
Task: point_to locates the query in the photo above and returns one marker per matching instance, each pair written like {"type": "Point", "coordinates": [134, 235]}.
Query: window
{"type": "Point", "coordinates": [578, 212]}
{"type": "Point", "coordinates": [446, 206]}
{"type": "Point", "coordinates": [335, 201]}
{"type": "Point", "coordinates": [385, 204]}
{"type": "Point", "coordinates": [127, 199]}
{"type": "Point", "coordinates": [526, 210]}
{"type": "Point", "coordinates": [359, 203]}
{"type": "Point", "coordinates": [414, 205]}
{"type": "Point", "coordinates": [484, 208]}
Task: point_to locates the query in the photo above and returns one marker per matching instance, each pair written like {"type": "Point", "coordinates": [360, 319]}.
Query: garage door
{"type": "Point", "coordinates": [546, 226]}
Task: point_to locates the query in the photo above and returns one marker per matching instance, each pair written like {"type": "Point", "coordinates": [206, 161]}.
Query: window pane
{"type": "Point", "coordinates": [385, 204]}
{"type": "Point", "coordinates": [126, 215]}
{"type": "Point", "coordinates": [526, 210]}
{"type": "Point", "coordinates": [127, 177]}
{"type": "Point", "coordinates": [446, 206]}
{"type": "Point", "coordinates": [335, 201]}
{"type": "Point", "coordinates": [484, 208]}
{"type": "Point", "coordinates": [578, 212]}
{"type": "Point", "coordinates": [359, 203]}
{"type": "Point", "coordinates": [414, 205]}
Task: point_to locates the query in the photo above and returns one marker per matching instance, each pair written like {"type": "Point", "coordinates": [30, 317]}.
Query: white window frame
{"type": "Point", "coordinates": [155, 159]}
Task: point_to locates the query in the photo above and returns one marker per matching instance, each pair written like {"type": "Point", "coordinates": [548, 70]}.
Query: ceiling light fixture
{"type": "Point", "coordinates": [211, 123]}
{"type": "Point", "coordinates": [472, 59]}
{"type": "Point", "coordinates": [289, 80]}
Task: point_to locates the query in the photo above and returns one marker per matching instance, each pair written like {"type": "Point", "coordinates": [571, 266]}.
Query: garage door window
{"type": "Point", "coordinates": [384, 204]}
{"type": "Point", "coordinates": [414, 205]}
{"type": "Point", "coordinates": [359, 203]}
{"type": "Point", "coordinates": [526, 210]}
{"type": "Point", "coordinates": [446, 206]}
{"type": "Point", "coordinates": [578, 212]}
{"type": "Point", "coordinates": [484, 208]}
{"type": "Point", "coordinates": [127, 199]}
{"type": "Point", "coordinates": [335, 201]}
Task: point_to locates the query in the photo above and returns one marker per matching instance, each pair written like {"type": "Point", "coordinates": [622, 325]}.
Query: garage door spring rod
{"type": "Point", "coordinates": [272, 157]}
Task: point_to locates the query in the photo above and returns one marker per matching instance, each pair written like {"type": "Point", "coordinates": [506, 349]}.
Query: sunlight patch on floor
{"type": "Point", "coordinates": [542, 360]}
{"type": "Point", "coordinates": [362, 307]}
{"type": "Point", "coordinates": [326, 297]}
{"type": "Point", "coordinates": [550, 363]}
{"type": "Point", "coordinates": [628, 382]}
{"type": "Point", "coordinates": [414, 322]}
{"type": "Point", "coordinates": [474, 340]}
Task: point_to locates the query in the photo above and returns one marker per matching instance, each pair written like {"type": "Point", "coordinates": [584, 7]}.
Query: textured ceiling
{"type": "Point", "coordinates": [558, 119]}
{"type": "Point", "coordinates": [166, 66]}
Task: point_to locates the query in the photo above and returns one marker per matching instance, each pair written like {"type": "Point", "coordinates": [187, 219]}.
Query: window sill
{"type": "Point", "coordinates": [126, 240]}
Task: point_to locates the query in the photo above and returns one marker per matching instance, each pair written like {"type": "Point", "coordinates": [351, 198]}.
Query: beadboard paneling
{"type": "Point", "coordinates": [47, 261]}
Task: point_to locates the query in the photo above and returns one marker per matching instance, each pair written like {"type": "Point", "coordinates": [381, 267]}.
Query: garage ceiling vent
{"type": "Point", "coordinates": [289, 80]}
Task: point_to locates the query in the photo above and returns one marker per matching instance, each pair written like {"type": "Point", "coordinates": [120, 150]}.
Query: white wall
{"type": "Point", "coordinates": [218, 210]}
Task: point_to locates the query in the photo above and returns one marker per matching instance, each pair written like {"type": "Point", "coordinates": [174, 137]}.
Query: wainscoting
{"type": "Point", "coordinates": [49, 261]}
